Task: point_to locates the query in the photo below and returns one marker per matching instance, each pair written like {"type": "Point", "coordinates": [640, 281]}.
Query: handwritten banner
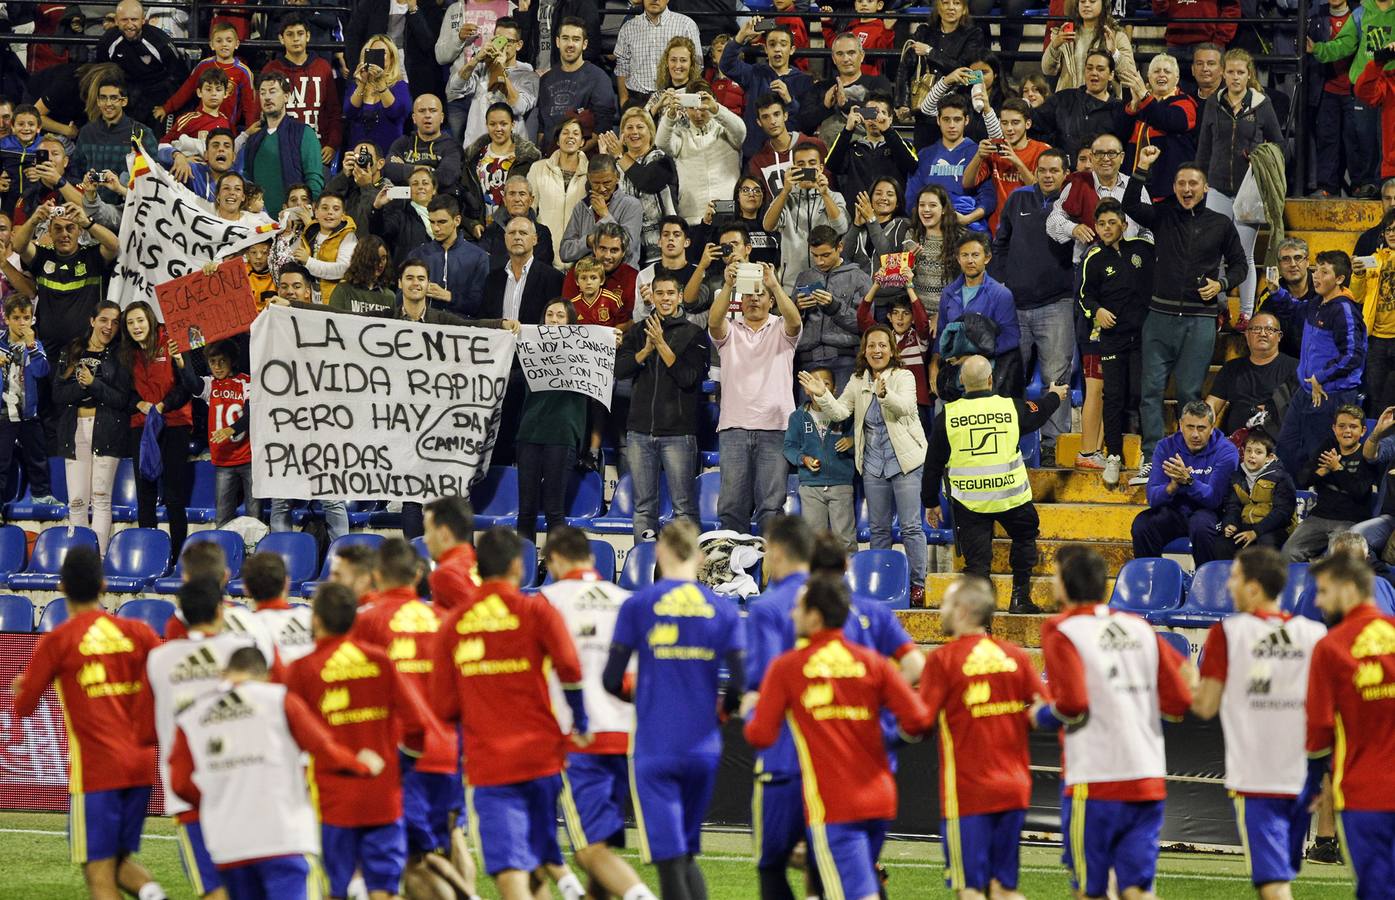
{"type": "Point", "coordinates": [166, 233]}
{"type": "Point", "coordinates": [359, 408]}
{"type": "Point", "coordinates": [576, 358]}
{"type": "Point", "coordinates": [200, 309]}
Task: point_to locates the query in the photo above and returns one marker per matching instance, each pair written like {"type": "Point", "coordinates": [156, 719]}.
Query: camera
{"type": "Point", "coordinates": [727, 250]}
{"type": "Point", "coordinates": [365, 158]}
{"type": "Point", "coordinates": [93, 176]}
{"type": "Point", "coordinates": [765, 25]}
{"type": "Point", "coordinates": [805, 174]}
{"type": "Point", "coordinates": [723, 207]}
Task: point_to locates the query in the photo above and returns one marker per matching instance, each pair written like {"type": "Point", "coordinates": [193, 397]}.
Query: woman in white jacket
{"type": "Point", "coordinates": [889, 443]}
{"type": "Point", "coordinates": [559, 184]}
{"type": "Point", "coordinates": [706, 145]}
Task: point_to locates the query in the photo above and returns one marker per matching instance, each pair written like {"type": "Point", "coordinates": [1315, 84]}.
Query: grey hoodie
{"type": "Point", "coordinates": [831, 331]}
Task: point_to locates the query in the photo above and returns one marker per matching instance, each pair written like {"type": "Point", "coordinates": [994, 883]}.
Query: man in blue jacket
{"type": "Point", "coordinates": [1331, 358]}
{"type": "Point", "coordinates": [976, 293]}
{"type": "Point", "coordinates": [1187, 483]}
{"type": "Point", "coordinates": [458, 268]}
{"type": "Point", "coordinates": [776, 75]}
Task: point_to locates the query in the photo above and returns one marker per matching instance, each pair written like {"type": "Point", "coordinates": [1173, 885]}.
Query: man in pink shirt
{"type": "Point", "coordinates": [756, 352]}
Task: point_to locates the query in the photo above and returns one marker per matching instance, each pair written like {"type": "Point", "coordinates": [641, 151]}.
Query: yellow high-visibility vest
{"type": "Point", "coordinates": [986, 472]}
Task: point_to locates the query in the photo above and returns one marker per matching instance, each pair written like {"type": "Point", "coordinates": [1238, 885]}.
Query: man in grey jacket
{"type": "Point", "coordinates": [827, 295]}
{"type": "Point", "coordinates": [806, 201]}
{"type": "Point", "coordinates": [604, 204]}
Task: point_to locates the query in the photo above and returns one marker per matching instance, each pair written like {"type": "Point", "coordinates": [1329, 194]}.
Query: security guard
{"type": "Point", "coordinates": [976, 437]}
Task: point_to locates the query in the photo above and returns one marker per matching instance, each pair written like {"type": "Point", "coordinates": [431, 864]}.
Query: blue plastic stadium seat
{"type": "Point", "coordinates": [620, 517]}
{"type": "Point", "coordinates": [367, 539]}
{"type": "Point", "coordinates": [1207, 601]}
{"type": "Point", "coordinates": [638, 571]}
{"type": "Point", "coordinates": [232, 545]}
{"type": "Point", "coordinates": [1385, 596]}
{"type": "Point", "coordinates": [16, 614]}
{"type": "Point", "coordinates": [136, 557]}
{"type": "Point", "coordinates": [14, 547]}
{"type": "Point", "coordinates": [883, 575]}
{"type": "Point", "coordinates": [360, 511]}
{"type": "Point", "coordinates": [708, 414]}
{"type": "Point", "coordinates": [55, 614]}
{"type": "Point", "coordinates": [1178, 641]}
{"type": "Point", "coordinates": [49, 550]}
{"type": "Point", "coordinates": [709, 486]}
{"type": "Point", "coordinates": [1292, 593]}
{"type": "Point", "coordinates": [495, 497]}
{"type": "Point", "coordinates": [1147, 585]}
{"type": "Point", "coordinates": [26, 508]}
{"type": "Point", "coordinates": [944, 535]}
{"type": "Point", "coordinates": [419, 545]}
{"type": "Point", "coordinates": [941, 535]}
{"type": "Point", "coordinates": [1181, 546]}
{"type": "Point", "coordinates": [1029, 445]}
{"type": "Point", "coordinates": [203, 496]}
{"type": "Point", "coordinates": [153, 611]}
{"type": "Point", "coordinates": [298, 550]}
{"type": "Point", "coordinates": [585, 500]}
{"type": "Point", "coordinates": [123, 493]}
{"type": "Point", "coordinates": [604, 555]}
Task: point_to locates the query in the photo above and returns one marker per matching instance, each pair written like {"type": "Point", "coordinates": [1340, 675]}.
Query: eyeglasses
{"type": "Point", "coordinates": [1261, 329]}
{"type": "Point", "coordinates": [1106, 154]}
{"type": "Point", "coordinates": [752, 190]}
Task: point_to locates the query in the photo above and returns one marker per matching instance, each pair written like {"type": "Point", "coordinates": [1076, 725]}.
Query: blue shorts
{"type": "Point", "coordinates": [278, 878]}
{"type": "Point", "coordinates": [777, 814]}
{"type": "Point", "coordinates": [1110, 834]}
{"type": "Point", "coordinates": [1370, 841]}
{"type": "Point", "coordinates": [846, 856]}
{"type": "Point", "coordinates": [595, 793]}
{"type": "Point", "coordinates": [1272, 832]}
{"type": "Point", "coordinates": [193, 855]}
{"type": "Point", "coordinates": [426, 807]}
{"type": "Point", "coordinates": [671, 795]}
{"type": "Point", "coordinates": [982, 849]}
{"type": "Point", "coordinates": [515, 825]}
{"type": "Point", "coordinates": [106, 824]}
{"type": "Point", "coordinates": [379, 851]}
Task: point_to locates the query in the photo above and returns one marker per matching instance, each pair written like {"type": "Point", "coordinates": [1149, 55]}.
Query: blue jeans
{"type": "Point", "coordinates": [674, 456]}
{"type": "Point", "coordinates": [1368, 137]}
{"type": "Point", "coordinates": [899, 494]}
{"type": "Point", "coordinates": [1377, 533]}
{"type": "Point", "coordinates": [1308, 428]}
{"type": "Point", "coordinates": [1180, 346]}
{"type": "Point", "coordinates": [755, 477]}
{"type": "Point", "coordinates": [336, 516]}
{"type": "Point", "coordinates": [1339, 148]}
{"type": "Point", "coordinates": [457, 112]}
{"type": "Point", "coordinates": [1050, 330]}
{"type": "Point", "coordinates": [231, 485]}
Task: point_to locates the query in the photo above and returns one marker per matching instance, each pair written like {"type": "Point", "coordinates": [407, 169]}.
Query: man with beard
{"type": "Point", "coordinates": [574, 86]}
{"type": "Point", "coordinates": [426, 146]}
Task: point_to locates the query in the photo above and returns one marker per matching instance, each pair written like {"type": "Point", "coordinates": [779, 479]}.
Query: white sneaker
{"type": "Point", "coordinates": [1143, 472]}
{"type": "Point", "coordinates": [1112, 465]}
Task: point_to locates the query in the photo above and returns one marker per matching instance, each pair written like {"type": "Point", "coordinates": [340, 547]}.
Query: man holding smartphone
{"type": "Point", "coordinates": [869, 148]}
{"type": "Point", "coordinates": [805, 202]}
{"type": "Point", "coordinates": [777, 75]}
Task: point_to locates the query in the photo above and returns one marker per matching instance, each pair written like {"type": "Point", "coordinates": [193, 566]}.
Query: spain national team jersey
{"type": "Point", "coordinates": [979, 689]}
{"type": "Point", "coordinates": [1351, 709]}
{"type": "Point", "coordinates": [680, 631]}
{"type": "Point", "coordinates": [606, 308]}
{"type": "Point", "coordinates": [455, 581]}
{"type": "Point", "coordinates": [96, 663]}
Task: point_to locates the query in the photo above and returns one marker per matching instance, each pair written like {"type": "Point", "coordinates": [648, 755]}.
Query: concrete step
{"type": "Point", "coordinates": [1043, 593]}
{"type": "Point", "coordinates": [1068, 445]}
{"type": "Point", "coordinates": [1331, 215]}
{"type": "Point", "coordinates": [1079, 486]}
{"type": "Point", "coordinates": [1320, 241]}
{"type": "Point", "coordinates": [925, 627]}
{"type": "Point", "coordinates": [1115, 553]}
{"type": "Point", "coordinates": [1087, 521]}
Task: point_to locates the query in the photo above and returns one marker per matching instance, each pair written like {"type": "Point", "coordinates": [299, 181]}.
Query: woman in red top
{"type": "Point", "coordinates": [147, 356]}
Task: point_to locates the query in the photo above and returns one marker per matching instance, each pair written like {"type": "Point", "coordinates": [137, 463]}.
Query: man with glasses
{"type": "Point", "coordinates": [1247, 384]}
{"type": "Point", "coordinates": [1293, 275]}
{"type": "Point", "coordinates": [1067, 219]}
{"type": "Point", "coordinates": [105, 141]}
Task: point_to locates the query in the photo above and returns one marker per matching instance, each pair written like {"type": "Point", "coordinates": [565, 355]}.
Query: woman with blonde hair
{"type": "Point", "coordinates": [379, 102]}
{"type": "Point", "coordinates": [888, 441]}
{"type": "Point", "coordinates": [1236, 120]}
{"type": "Point", "coordinates": [559, 184]}
{"type": "Point", "coordinates": [1095, 29]}
{"type": "Point", "coordinates": [680, 67]}
{"type": "Point", "coordinates": [646, 173]}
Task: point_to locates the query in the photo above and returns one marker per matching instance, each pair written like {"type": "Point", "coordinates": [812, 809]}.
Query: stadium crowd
{"type": "Point", "coordinates": [850, 244]}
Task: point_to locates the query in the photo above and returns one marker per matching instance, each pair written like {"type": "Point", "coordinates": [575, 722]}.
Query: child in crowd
{"type": "Point", "coordinates": [944, 163]}
{"type": "Point", "coordinates": [822, 453]}
{"type": "Point", "coordinates": [724, 90]}
{"type": "Point", "coordinates": [872, 31]}
{"type": "Point", "coordinates": [214, 88]}
{"type": "Point", "coordinates": [17, 149]}
{"type": "Point", "coordinates": [1260, 505]}
{"type": "Point", "coordinates": [911, 324]}
{"type": "Point", "coordinates": [253, 197]}
{"type": "Point", "coordinates": [25, 366]}
{"type": "Point", "coordinates": [258, 259]}
{"type": "Point", "coordinates": [328, 244]}
{"type": "Point", "coordinates": [594, 304]}
{"type": "Point", "coordinates": [225, 392]}
{"type": "Point", "coordinates": [1116, 280]}
{"type": "Point", "coordinates": [239, 104]}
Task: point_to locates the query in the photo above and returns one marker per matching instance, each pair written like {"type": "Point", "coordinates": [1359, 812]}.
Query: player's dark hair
{"type": "Point", "coordinates": [247, 661]}
{"type": "Point", "coordinates": [336, 607]}
{"type": "Point", "coordinates": [1264, 566]}
{"type": "Point", "coordinates": [954, 101]}
{"type": "Point", "coordinates": [1343, 568]}
{"type": "Point", "coordinates": [264, 576]}
{"type": "Point", "coordinates": [496, 550]}
{"type": "Point", "coordinates": [681, 538]}
{"type": "Point", "coordinates": [1340, 263]}
{"type": "Point", "coordinates": [829, 555]}
{"type": "Point", "coordinates": [824, 236]}
{"type": "Point", "coordinates": [567, 543]}
{"type": "Point", "coordinates": [1108, 205]}
{"type": "Point", "coordinates": [1083, 573]}
{"type": "Point", "coordinates": [396, 563]}
{"type": "Point", "coordinates": [204, 559]}
{"type": "Point", "coordinates": [199, 599]}
{"type": "Point", "coordinates": [362, 557]}
{"type": "Point", "coordinates": [455, 514]}
{"type": "Point", "coordinates": [16, 302]}
{"type": "Point", "coordinates": [80, 578]}
{"type": "Point", "coordinates": [792, 534]}
{"type": "Point", "coordinates": [446, 202]}
{"type": "Point", "coordinates": [829, 595]}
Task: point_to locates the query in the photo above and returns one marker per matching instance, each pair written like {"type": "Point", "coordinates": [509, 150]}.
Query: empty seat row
{"type": "Point", "coordinates": [22, 506]}
{"type": "Point", "coordinates": [17, 613]}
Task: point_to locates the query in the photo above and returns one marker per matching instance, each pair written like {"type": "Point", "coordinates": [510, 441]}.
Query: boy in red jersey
{"type": "Point", "coordinates": [96, 663]}
{"type": "Point", "coordinates": [489, 671]}
{"type": "Point", "coordinates": [978, 687]}
{"type": "Point", "coordinates": [1114, 762]}
{"type": "Point", "coordinates": [225, 392]}
{"type": "Point", "coordinates": [395, 620]}
{"type": "Point", "coordinates": [832, 691]}
{"type": "Point", "coordinates": [448, 528]}
{"type": "Point", "coordinates": [1351, 717]}
{"type": "Point", "coordinates": [239, 104]}
{"type": "Point", "coordinates": [871, 31]}
{"type": "Point", "coordinates": [611, 301]}
{"type": "Point", "coordinates": [595, 305]}
{"type": "Point", "coordinates": [214, 88]}
{"type": "Point", "coordinates": [362, 697]}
